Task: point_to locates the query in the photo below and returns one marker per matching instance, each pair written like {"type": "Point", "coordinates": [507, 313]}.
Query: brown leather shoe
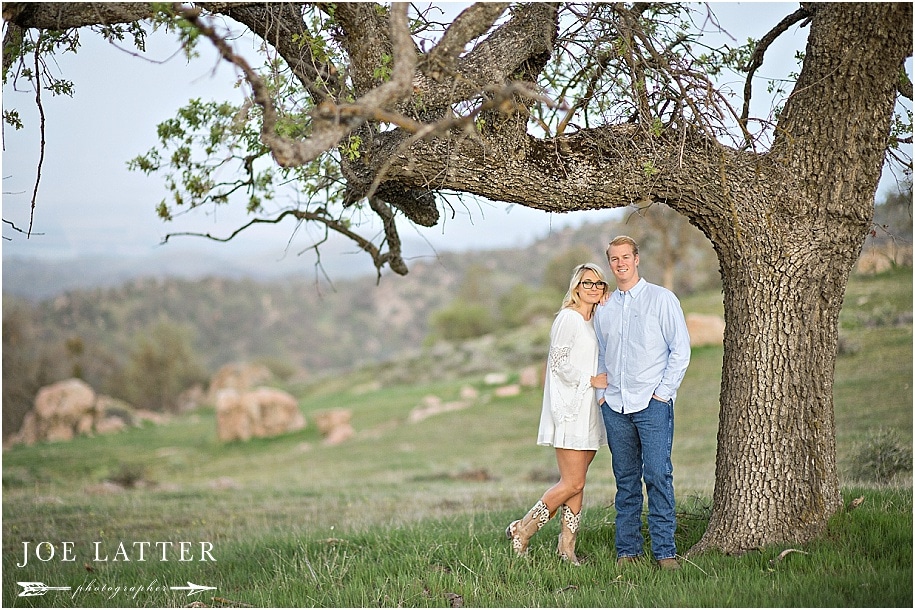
{"type": "Point", "coordinates": [669, 564]}
{"type": "Point", "coordinates": [622, 561]}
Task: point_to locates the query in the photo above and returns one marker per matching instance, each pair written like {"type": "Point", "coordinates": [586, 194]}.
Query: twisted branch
{"type": "Point", "coordinates": [758, 54]}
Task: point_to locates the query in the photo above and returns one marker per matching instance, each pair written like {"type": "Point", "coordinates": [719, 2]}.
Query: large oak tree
{"type": "Point", "coordinates": [567, 107]}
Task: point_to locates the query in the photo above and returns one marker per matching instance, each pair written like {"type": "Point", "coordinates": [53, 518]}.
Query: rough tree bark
{"type": "Point", "coordinates": [785, 260]}
{"type": "Point", "coordinates": [787, 225]}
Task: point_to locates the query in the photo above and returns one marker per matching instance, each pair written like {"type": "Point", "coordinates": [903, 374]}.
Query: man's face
{"type": "Point", "coordinates": [624, 265]}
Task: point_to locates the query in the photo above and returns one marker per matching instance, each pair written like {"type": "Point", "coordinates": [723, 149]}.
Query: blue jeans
{"type": "Point", "coordinates": [641, 443]}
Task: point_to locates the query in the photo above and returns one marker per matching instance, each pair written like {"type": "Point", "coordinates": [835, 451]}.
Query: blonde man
{"type": "Point", "coordinates": [644, 350]}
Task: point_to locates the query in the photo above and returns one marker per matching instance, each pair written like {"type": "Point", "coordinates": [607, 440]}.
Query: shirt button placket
{"type": "Point", "coordinates": [624, 352]}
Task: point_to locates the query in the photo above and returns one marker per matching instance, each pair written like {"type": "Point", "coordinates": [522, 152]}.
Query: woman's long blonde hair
{"type": "Point", "coordinates": [571, 299]}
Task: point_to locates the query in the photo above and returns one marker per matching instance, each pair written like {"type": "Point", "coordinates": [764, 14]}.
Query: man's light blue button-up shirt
{"type": "Point", "coordinates": [643, 346]}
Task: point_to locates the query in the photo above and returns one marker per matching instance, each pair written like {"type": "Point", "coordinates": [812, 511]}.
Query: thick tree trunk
{"type": "Point", "coordinates": [776, 474]}
{"type": "Point", "coordinates": [785, 270]}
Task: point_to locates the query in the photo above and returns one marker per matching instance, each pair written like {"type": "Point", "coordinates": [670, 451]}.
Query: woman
{"type": "Point", "coordinates": [570, 421]}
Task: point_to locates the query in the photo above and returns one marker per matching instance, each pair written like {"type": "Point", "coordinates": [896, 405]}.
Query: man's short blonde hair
{"type": "Point", "coordinates": [621, 240]}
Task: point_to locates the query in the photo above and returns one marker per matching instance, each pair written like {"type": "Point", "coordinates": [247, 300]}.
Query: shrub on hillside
{"type": "Point", "coordinates": [522, 305]}
{"type": "Point", "coordinates": [881, 456]}
{"type": "Point", "coordinates": [161, 366]}
{"type": "Point", "coordinates": [559, 269]}
{"type": "Point", "coordinates": [28, 363]}
{"type": "Point", "coordinates": [462, 320]}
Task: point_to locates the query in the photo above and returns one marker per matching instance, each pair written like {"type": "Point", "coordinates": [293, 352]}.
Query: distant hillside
{"type": "Point", "coordinates": [37, 279]}
{"type": "Point", "coordinates": [691, 260]}
{"type": "Point", "coordinates": [122, 335]}
{"type": "Point", "coordinates": [233, 317]}
{"type": "Point", "coordinates": [308, 323]}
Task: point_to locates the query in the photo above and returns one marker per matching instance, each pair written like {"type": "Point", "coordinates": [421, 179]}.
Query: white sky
{"type": "Point", "coordinates": [90, 204]}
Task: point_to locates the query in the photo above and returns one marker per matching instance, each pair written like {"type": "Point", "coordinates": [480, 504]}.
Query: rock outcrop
{"type": "Point", "coordinates": [259, 413]}
{"type": "Point", "coordinates": [71, 408]}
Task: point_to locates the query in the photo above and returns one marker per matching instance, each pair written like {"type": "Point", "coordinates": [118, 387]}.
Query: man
{"type": "Point", "coordinates": [643, 347]}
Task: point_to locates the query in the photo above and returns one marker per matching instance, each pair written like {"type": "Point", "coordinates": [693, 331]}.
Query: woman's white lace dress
{"type": "Point", "coordinates": [571, 418]}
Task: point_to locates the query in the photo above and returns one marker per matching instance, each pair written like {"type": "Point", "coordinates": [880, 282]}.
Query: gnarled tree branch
{"type": "Point", "coordinates": [759, 54]}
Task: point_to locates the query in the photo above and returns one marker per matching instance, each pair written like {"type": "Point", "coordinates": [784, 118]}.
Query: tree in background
{"type": "Point", "coordinates": [462, 320]}
{"type": "Point", "coordinates": [676, 245]}
{"type": "Point", "coordinates": [28, 364]}
{"type": "Point", "coordinates": [559, 269]}
{"type": "Point", "coordinates": [161, 366]}
{"type": "Point", "coordinates": [473, 312]}
{"type": "Point", "coordinates": [483, 305]}
{"type": "Point", "coordinates": [523, 305]}
{"type": "Point", "coordinates": [370, 109]}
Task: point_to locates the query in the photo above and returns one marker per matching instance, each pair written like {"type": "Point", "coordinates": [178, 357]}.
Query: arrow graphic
{"type": "Point", "coordinates": [192, 589]}
{"type": "Point", "coordinates": [31, 589]}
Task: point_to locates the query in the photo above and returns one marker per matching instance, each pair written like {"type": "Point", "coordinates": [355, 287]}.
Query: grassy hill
{"type": "Point", "coordinates": [412, 513]}
{"type": "Point", "coordinates": [298, 326]}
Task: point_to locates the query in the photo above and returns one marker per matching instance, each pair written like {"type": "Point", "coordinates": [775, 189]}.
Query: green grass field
{"type": "Point", "coordinates": [411, 514]}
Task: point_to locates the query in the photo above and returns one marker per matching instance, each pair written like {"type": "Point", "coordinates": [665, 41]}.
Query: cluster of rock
{"type": "Point", "coordinates": [246, 409]}
{"type": "Point", "coordinates": [71, 408]}
{"type": "Point", "coordinates": [528, 377]}
{"type": "Point", "coordinates": [238, 376]}
{"type": "Point", "coordinates": [513, 350]}
{"type": "Point", "coordinates": [258, 413]}
{"type": "Point", "coordinates": [433, 405]}
{"type": "Point", "coordinates": [335, 425]}
{"type": "Point", "coordinates": [877, 259]}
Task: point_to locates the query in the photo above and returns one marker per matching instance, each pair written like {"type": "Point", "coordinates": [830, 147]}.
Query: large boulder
{"type": "Point", "coordinates": [259, 413]}
{"type": "Point", "coordinates": [234, 418]}
{"type": "Point", "coordinates": [71, 408]}
{"type": "Point", "coordinates": [65, 401]}
{"type": "Point", "coordinates": [278, 411]}
{"type": "Point", "coordinates": [880, 258]}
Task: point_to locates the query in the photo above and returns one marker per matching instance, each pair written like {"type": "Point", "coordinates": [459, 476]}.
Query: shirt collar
{"type": "Point", "coordinates": [633, 292]}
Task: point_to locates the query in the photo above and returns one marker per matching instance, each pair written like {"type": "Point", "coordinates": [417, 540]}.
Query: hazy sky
{"type": "Point", "coordinates": [89, 203]}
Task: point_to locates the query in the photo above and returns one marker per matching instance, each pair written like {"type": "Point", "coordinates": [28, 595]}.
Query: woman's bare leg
{"type": "Point", "coordinates": [573, 470]}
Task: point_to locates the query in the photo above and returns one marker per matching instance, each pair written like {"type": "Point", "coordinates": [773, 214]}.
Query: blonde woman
{"type": "Point", "coordinates": [571, 420]}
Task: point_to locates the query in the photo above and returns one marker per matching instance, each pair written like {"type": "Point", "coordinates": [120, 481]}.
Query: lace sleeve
{"type": "Point", "coordinates": [569, 386]}
{"type": "Point", "coordinates": [559, 358]}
